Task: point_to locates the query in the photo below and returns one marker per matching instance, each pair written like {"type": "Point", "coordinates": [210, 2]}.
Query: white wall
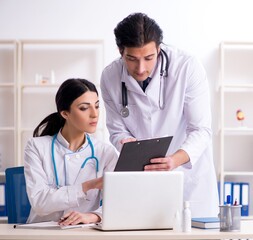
{"type": "Point", "coordinates": [197, 26]}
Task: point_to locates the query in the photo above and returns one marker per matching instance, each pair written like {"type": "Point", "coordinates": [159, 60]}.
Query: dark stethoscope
{"type": "Point", "coordinates": [163, 73]}
{"type": "Point", "coordinates": [84, 162]}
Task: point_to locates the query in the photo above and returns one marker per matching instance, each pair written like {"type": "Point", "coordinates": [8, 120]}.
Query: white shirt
{"type": "Point", "coordinates": [49, 203]}
{"type": "Point", "coordinates": [186, 116]}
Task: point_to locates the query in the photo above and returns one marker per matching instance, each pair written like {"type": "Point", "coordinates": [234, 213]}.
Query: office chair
{"type": "Point", "coordinates": [18, 205]}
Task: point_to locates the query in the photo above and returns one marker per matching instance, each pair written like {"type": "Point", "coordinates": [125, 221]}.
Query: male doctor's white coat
{"type": "Point", "coordinates": [186, 116]}
{"type": "Point", "coordinates": [49, 203]}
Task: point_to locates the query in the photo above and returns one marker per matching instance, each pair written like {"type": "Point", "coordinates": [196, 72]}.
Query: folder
{"type": "Point", "coordinates": [244, 201]}
{"type": "Point", "coordinates": [227, 190]}
{"type": "Point", "coordinates": [236, 193]}
{"type": "Point", "coordinates": [2, 200]}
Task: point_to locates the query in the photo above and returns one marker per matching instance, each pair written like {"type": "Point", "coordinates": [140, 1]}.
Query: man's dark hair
{"type": "Point", "coordinates": [136, 30]}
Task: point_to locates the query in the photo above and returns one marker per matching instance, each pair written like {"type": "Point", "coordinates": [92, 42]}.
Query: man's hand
{"type": "Point", "coordinates": [161, 164]}
{"type": "Point", "coordinates": [168, 163]}
{"type": "Point", "coordinates": [128, 140]}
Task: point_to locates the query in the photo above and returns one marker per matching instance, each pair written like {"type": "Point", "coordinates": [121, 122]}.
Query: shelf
{"type": "Point", "coordinates": [34, 85]}
{"type": "Point", "coordinates": [235, 173]}
{"type": "Point", "coordinates": [238, 131]}
{"type": "Point", "coordinates": [49, 85]}
{"type": "Point", "coordinates": [237, 45]}
{"type": "Point", "coordinates": [7, 128]}
{"type": "Point", "coordinates": [62, 41]}
{"type": "Point", "coordinates": [237, 87]}
{"type": "Point", "coordinates": [246, 218]}
{"type": "Point", "coordinates": [6, 84]}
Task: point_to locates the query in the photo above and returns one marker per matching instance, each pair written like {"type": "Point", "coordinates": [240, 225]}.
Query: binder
{"type": "Point", "coordinates": [3, 211]}
{"type": "Point", "coordinates": [236, 193]}
{"type": "Point", "coordinates": [244, 201]}
{"type": "Point", "coordinates": [227, 190]}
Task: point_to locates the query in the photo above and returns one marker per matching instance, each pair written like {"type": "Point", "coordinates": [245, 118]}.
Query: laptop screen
{"type": "Point", "coordinates": [141, 200]}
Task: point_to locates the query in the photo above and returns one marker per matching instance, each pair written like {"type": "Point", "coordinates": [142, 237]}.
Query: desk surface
{"type": "Point", "coordinates": [8, 232]}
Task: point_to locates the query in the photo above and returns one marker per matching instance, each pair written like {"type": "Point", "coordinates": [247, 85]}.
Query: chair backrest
{"type": "Point", "coordinates": [18, 205]}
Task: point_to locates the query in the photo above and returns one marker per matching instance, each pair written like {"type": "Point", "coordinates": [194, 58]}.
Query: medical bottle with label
{"type": "Point", "coordinates": [186, 223]}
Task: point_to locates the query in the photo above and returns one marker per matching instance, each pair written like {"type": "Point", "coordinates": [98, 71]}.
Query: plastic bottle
{"type": "Point", "coordinates": [186, 223]}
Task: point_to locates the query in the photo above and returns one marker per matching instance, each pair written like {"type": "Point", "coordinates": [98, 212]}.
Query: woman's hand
{"type": "Point", "coordinates": [96, 183]}
{"type": "Point", "coordinates": [73, 218]}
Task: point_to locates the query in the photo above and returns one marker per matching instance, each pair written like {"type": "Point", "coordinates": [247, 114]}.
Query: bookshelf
{"type": "Point", "coordinates": [236, 136]}
{"type": "Point", "coordinates": [34, 70]}
{"type": "Point", "coordinates": [8, 96]}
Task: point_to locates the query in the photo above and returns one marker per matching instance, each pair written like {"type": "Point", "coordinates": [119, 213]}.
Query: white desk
{"type": "Point", "coordinates": [8, 232]}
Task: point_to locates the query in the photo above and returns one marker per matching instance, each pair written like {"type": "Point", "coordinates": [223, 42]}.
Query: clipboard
{"type": "Point", "coordinates": [135, 155]}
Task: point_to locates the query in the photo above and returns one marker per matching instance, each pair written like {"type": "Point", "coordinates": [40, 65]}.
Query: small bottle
{"type": "Point", "coordinates": [186, 223]}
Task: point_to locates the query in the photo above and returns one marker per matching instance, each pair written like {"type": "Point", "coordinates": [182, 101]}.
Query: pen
{"type": "Point", "coordinates": [229, 214]}
{"type": "Point", "coordinates": [62, 219]}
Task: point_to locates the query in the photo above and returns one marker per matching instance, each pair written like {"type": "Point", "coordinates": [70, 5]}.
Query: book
{"type": "Point", "coordinates": [228, 190]}
{"type": "Point", "coordinates": [236, 196]}
{"type": "Point", "coordinates": [244, 201]}
{"type": "Point", "coordinates": [2, 200]}
{"type": "Point", "coordinates": [50, 225]}
{"type": "Point", "coordinates": [206, 223]}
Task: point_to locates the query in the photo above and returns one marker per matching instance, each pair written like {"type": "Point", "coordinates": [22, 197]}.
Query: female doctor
{"type": "Point", "coordinates": [64, 165]}
{"type": "Point", "coordinates": [175, 103]}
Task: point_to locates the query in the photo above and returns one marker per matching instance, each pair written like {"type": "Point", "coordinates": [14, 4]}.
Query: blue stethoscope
{"type": "Point", "coordinates": [84, 162]}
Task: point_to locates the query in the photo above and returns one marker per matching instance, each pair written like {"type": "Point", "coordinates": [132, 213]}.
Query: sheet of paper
{"type": "Point", "coordinates": [51, 224]}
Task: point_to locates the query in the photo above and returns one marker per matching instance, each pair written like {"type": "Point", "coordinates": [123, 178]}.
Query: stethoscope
{"type": "Point", "coordinates": [83, 164]}
{"type": "Point", "coordinates": [163, 73]}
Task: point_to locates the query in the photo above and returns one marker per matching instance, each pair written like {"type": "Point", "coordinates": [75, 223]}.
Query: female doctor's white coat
{"type": "Point", "coordinates": [186, 116]}
{"type": "Point", "coordinates": [49, 203]}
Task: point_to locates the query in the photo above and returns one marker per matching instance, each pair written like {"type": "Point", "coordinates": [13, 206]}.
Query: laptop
{"type": "Point", "coordinates": [135, 155]}
{"type": "Point", "coordinates": [141, 200]}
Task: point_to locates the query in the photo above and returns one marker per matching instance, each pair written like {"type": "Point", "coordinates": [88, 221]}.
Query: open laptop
{"type": "Point", "coordinates": [141, 200]}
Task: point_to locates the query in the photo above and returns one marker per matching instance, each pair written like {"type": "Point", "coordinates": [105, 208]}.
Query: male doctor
{"type": "Point", "coordinates": [154, 91]}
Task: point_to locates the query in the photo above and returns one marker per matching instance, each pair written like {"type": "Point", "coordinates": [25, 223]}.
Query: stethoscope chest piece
{"type": "Point", "coordinates": [124, 112]}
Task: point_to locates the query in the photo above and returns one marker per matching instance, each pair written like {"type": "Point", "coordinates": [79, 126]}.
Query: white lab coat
{"type": "Point", "coordinates": [186, 116]}
{"type": "Point", "coordinates": [49, 203]}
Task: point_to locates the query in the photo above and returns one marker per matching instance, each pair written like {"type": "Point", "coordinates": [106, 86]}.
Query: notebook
{"type": "Point", "coordinates": [208, 222]}
{"type": "Point", "coordinates": [141, 200]}
{"type": "Point", "coordinates": [135, 155]}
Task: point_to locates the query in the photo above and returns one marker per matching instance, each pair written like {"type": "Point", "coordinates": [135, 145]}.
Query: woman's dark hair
{"type": "Point", "coordinates": [137, 30]}
{"type": "Point", "coordinates": [69, 90]}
